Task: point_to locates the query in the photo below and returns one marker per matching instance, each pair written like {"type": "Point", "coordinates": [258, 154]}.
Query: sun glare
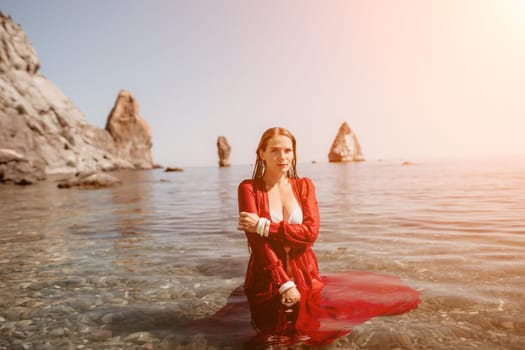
{"type": "Point", "coordinates": [514, 14]}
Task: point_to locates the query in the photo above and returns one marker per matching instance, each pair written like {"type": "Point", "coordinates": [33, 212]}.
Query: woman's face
{"type": "Point", "coordinates": [278, 155]}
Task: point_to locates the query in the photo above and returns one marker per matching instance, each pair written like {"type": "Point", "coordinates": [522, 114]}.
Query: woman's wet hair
{"type": "Point", "coordinates": [258, 169]}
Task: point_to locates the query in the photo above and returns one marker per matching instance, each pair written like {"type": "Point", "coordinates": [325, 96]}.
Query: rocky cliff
{"type": "Point", "coordinates": [346, 147]}
{"type": "Point", "coordinates": [42, 132]}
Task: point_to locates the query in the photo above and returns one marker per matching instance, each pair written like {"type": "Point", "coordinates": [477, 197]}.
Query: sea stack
{"type": "Point", "coordinates": [130, 131]}
{"type": "Point", "coordinates": [224, 150]}
{"type": "Point", "coordinates": [345, 147]}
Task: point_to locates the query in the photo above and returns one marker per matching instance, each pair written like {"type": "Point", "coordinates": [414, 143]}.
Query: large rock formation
{"type": "Point", "coordinates": [41, 125]}
{"type": "Point", "coordinates": [345, 147]}
{"type": "Point", "coordinates": [130, 131]}
{"type": "Point", "coordinates": [224, 150]}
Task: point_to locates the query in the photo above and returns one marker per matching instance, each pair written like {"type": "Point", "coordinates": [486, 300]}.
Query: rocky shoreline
{"type": "Point", "coordinates": [102, 312]}
{"type": "Point", "coordinates": [42, 132]}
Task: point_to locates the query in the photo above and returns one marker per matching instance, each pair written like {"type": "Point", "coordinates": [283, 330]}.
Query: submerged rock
{"type": "Point", "coordinates": [345, 147]}
{"type": "Point", "coordinates": [90, 180]}
{"type": "Point", "coordinates": [224, 150]}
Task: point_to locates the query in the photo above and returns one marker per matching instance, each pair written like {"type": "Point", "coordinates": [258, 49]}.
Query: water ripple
{"type": "Point", "coordinates": [454, 230]}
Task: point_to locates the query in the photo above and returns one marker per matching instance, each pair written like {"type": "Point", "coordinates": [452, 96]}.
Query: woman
{"type": "Point", "coordinates": [280, 216]}
{"type": "Point", "coordinates": [286, 294]}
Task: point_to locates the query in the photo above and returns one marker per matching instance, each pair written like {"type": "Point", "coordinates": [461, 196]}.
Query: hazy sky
{"type": "Point", "coordinates": [413, 78]}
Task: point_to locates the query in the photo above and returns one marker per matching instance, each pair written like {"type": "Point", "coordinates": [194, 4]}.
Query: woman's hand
{"type": "Point", "coordinates": [248, 222]}
{"type": "Point", "coordinates": [291, 297]}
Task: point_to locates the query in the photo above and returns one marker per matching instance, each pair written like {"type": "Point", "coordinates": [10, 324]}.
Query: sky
{"type": "Point", "coordinates": [414, 79]}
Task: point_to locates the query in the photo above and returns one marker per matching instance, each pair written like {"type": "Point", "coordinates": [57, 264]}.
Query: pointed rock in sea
{"type": "Point", "coordinates": [224, 150]}
{"type": "Point", "coordinates": [130, 131]}
{"type": "Point", "coordinates": [345, 147]}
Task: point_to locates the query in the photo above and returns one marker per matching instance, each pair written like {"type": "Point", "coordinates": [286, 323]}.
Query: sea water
{"type": "Point", "coordinates": [124, 267]}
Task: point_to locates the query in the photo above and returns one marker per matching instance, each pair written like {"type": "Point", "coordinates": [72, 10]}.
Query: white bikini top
{"type": "Point", "coordinates": [295, 218]}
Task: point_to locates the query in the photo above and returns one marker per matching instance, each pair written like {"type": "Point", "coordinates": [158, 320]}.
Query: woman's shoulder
{"type": "Point", "coordinates": [251, 183]}
{"type": "Point", "coordinates": [302, 182]}
{"type": "Point", "coordinates": [251, 186]}
{"type": "Point", "coordinates": [306, 180]}
{"type": "Point", "coordinates": [305, 183]}
{"type": "Point", "coordinates": [246, 182]}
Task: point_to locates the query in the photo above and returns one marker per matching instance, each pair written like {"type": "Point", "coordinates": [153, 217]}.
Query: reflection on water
{"type": "Point", "coordinates": [95, 268]}
{"type": "Point", "coordinates": [131, 211]}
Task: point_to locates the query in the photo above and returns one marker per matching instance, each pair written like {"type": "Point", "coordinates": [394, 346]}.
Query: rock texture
{"type": "Point", "coordinates": [130, 131]}
{"type": "Point", "coordinates": [41, 125]}
{"type": "Point", "coordinates": [345, 147]}
{"type": "Point", "coordinates": [90, 180]}
{"type": "Point", "coordinates": [15, 168]}
{"type": "Point", "coordinates": [224, 151]}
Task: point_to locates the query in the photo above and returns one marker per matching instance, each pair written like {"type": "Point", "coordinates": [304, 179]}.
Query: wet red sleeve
{"type": "Point", "coordinates": [306, 233]}
{"type": "Point", "coordinates": [259, 245]}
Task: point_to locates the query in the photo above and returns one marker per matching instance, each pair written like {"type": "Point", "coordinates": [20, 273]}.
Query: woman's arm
{"type": "Point", "coordinates": [306, 233]}
{"type": "Point", "coordinates": [258, 244]}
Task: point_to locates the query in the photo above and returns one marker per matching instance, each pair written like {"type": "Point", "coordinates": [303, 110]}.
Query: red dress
{"type": "Point", "coordinates": [329, 306]}
{"type": "Point", "coordinates": [269, 260]}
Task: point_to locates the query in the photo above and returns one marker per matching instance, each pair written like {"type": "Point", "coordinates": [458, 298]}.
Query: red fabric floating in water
{"type": "Point", "coordinates": [347, 299]}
